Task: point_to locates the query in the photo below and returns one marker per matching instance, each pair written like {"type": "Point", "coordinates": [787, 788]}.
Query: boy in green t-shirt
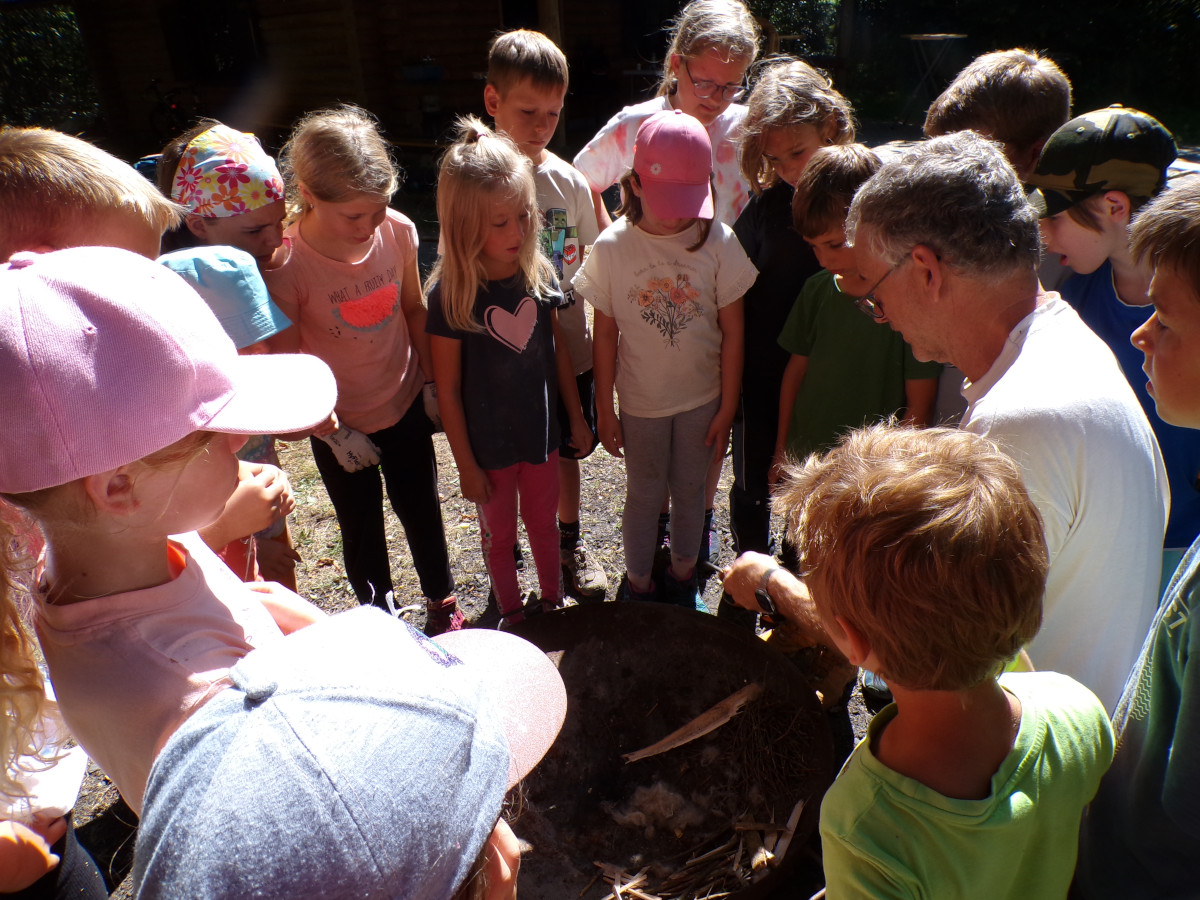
{"type": "Point", "coordinates": [845, 371]}
{"type": "Point", "coordinates": [924, 559]}
{"type": "Point", "coordinates": [1141, 835]}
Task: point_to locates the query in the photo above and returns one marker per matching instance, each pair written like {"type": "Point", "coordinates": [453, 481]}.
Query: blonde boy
{"type": "Point", "coordinates": [924, 560]}
{"type": "Point", "coordinates": [58, 191]}
{"type": "Point", "coordinates": [1141, 835]}
{"type": "Point", "coordinates": [526, 85]}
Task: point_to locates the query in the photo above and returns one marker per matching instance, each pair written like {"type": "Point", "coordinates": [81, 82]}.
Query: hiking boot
{"type": "Point", "coordinates": [583, 577]}
{"type": "Point", "coordinates": [442, 616]}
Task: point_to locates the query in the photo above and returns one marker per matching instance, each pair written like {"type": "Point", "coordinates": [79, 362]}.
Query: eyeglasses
{"type": "Point", "coordinates": [867, 303]}
{"type": "Point", "coordinates": [705, 89]}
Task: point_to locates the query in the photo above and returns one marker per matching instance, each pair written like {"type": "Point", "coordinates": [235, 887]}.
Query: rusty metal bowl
{"type": "Point", "coordinates": [635, 673]}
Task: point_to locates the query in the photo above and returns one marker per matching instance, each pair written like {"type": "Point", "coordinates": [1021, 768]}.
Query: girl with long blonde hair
{"type": "Point", "coordinates": [499, 356]}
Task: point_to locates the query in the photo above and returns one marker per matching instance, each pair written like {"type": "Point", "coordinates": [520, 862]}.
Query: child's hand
{"type": "Point", "coordinates": [25, 854]}
{"type": "Point", "coordinates": [262, 496]}
{"type": "Point", "coordinates": [353, 449]}
{"type": "Point", "coordinates": [276, 560]}
{"type": "Point", "coordinates": [475, 484]}
{"type": "Point", "coordinates": [608, 428]}
{"type": "Point", "coordinates": [582, 438]}
{"type": "Point", "coordinates": [430, 401]}
{"type": "Point", "coordinates": [718, 429]}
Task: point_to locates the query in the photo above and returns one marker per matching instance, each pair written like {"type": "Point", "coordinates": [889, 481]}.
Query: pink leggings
{"type": "Point", "coordinates": [537, 486]}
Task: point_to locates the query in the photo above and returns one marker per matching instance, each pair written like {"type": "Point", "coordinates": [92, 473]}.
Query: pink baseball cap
{"type": "Point", "coordinates": [107, 357]}
{"type": "Point", "coordinates": [672, 157]}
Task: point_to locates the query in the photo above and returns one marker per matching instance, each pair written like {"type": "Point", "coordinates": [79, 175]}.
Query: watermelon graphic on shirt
{"type": "Point", "coordinates": [369, 313]}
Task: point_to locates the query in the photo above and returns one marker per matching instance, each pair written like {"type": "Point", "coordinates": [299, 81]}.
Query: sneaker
{"type": "Point", "coordinates": [628, 592]}
{"type": "Point", "coordinates": [518, 556]}
{"type": "Point", "coordinates": [581, 575]}
{"type": "Point", "coordinates": [442, 616]}
{"type": "Point", "coordinates": [875, 688]}
{"type": "Point", "coordinates": [683, 593]}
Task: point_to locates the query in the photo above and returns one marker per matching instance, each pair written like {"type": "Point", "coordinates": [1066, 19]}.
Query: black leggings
{"type": "Point", "coordinates": [76, 876]}
{"type": "Point", "coordinates": [408, 467]}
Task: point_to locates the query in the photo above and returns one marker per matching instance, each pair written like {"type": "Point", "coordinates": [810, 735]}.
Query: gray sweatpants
{"type": "Point", "coordinates": [662, 453]}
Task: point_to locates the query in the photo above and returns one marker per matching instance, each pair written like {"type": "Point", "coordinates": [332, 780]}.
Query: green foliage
{"type": "Point", "coordinates": [45, 77]}
{"type": "Point", "coordinates": [813, 22]}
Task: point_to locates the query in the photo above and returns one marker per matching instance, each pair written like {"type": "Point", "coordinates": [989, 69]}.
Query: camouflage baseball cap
{"type": "Point", "coordinates": [1113, 149]}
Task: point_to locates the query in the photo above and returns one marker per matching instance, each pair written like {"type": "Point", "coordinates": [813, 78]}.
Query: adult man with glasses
{"type": "Point", "coordinates": [946, 237]}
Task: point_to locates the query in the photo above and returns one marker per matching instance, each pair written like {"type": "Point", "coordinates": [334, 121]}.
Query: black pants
{"type": "Point", "coordinates": [408, 468]}
{"type": "Point", "coordinates": [753, 449]}
{"type": "Point", "coordinates": [76, 876]}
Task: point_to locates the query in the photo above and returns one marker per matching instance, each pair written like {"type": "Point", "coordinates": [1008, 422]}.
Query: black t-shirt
{"type": "Point", "coordinates": [784, 262]}
{"type": "Point", "coordinates": [509, 374]}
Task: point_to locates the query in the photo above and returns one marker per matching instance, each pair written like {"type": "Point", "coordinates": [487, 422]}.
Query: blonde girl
{"type": "Point", "coordinates": [126, 404]}
{"type": "Point", "coordinates": [346, 275]}
{"type": "Point", "coordinates": [666, 283]}
{"type": "Point", "coordinates": [499, 356]}
{"type": "Point", "coordinates": [712, 44]}
{"type": "Point", "coordinates": [792, 112]}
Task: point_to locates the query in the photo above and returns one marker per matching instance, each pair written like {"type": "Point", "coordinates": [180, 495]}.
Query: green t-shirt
{"type": "Point", "coordinates": [856, 367]}
{"type": "Point", "coordinates": [886, 835]}
{"type": "Point", "coordinates": [1141, 835]}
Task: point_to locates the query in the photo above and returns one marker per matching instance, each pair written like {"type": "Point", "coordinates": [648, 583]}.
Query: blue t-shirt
{"type": "Point", "coordinates": [509, 373]}
{"type": "Point", "coordinates": [1095, 299]}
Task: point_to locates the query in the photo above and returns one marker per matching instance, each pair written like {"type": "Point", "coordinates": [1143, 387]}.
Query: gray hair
{"type": "Point", "coordinates": [957, 195]}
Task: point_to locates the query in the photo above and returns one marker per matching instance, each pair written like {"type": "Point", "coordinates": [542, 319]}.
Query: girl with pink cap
{"type": "Point", "coordinates": [666, 282]}
{"type": "Point", "coordinates": [125, 402]}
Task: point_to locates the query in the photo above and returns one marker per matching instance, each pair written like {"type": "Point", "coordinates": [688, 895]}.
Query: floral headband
{"type": "Point", "coordinates": [225, 173]}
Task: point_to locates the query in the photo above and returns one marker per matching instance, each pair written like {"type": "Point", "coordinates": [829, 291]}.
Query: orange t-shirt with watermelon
{"type": "Point", "coordinates": [350, 316]}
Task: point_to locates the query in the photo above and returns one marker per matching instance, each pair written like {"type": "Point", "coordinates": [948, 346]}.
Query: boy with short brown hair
{"type": "Point", "coordinates": [924, 560]}
{"type": "Point", "coordinates": [1016, 97]}
{"type": "Point", "coordinates": [1141, 835]}
{"type": "Point", "coordinates": [844, 371]}
{"type": "Point", "coordinates": [58, 191]}
{"type": "Point", "coordinates": [526, 86]}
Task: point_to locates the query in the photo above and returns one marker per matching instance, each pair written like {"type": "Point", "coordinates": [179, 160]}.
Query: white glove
{"type": "Point", "coordinates": [429, 398]}
{"type": "Point", "coordinates": [353, 449]}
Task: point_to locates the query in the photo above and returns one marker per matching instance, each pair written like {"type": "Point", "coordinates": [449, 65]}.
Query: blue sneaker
{"type": "Point", "coordinates": [683, 593]}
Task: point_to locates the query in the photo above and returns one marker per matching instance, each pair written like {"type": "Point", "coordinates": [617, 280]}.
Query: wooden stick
{"type": "Point", "coordinates": [709, 720]}
{"type": "Point", "coordinates": [785, 840]}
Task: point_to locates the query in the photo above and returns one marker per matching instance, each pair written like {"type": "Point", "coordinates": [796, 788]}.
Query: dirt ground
{"type": "Point", "coordinates": [106, 826]}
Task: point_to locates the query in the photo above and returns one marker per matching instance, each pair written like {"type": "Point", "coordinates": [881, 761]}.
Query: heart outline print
{"type": "Point", "coordinates": [512, 329]}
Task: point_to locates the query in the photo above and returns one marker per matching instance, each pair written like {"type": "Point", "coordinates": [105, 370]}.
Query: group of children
{"type": "Point", "coordinates": [723, 299]}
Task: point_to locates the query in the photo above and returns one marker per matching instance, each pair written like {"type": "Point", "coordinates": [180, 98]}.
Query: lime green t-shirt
{"type": "Point", "coordinates": [856, 367]}
{"type": "Point", "coordinates": [886, 835]}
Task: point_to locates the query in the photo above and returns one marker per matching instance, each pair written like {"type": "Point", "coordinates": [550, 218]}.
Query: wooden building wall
{"type": "Point", "coordinates": [414, 63]}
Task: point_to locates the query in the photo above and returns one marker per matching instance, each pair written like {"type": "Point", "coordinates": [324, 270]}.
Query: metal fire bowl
{"type": "Point", "coordinates": [634, 673]}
